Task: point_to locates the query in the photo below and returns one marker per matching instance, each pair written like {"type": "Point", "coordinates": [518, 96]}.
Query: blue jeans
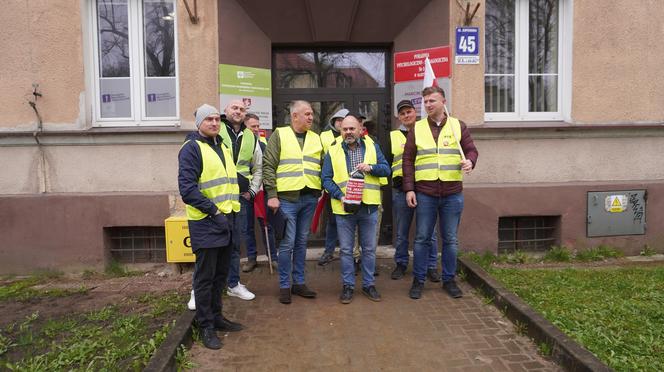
{"type": "Point", "coordinates": [365, 220]}
{"type": "Point", "coordinates": [331, 238]}
{"type": "Point", "coordinates": [293, 247]}
{"type": "Point", "coordinates": [239, 235]}
{"type": "Point", "coordinates": [251, 238]}
{"type": "Point", "coordinates": [448, 211]}
{"type": "Point", "coordinates": [403, 217]}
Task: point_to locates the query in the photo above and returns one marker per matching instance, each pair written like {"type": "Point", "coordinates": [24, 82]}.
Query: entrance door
{"type": "Point", "coordinates": [332, 80]}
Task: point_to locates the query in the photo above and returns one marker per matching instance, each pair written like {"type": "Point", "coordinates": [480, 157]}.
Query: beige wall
{"type": "Point", "coordinates": [41, 43]}
{"type": "Point", "coordinates": [617, 61]}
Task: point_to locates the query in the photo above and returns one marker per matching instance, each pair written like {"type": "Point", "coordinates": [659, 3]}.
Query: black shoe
{"type": "Point", "coordinates": [302, 291]}
{"type": "Point", "coordinates": [346, 294]}
{"type": "Point", "coordinates": [210, 339]}
{"type": "Point", "coordinates": [325, 259]}
{"type": "Point", "coordinates": [249, 266]}
{"type": "Point", "coordinates": [372, 293]}
{"type": "Point", "coordinates": [416, 289]}
{"type": "Point", "coordinates": [452, 289]}
{"type": "Point", "coordinates": [284, 295]}
{"type": "Point", "coordinates": [224, 325]}
{"type": "Point", "coordinates": [399, 272]}
{"type": "Point", "coordinates": [433, 276]}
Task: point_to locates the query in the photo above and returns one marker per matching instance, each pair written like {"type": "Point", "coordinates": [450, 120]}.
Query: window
{"type": "Point", "coordinates": [137, 244]}
{"type": "Point", "coordinates": [524, 49]}
{"type": "Point", "coordinates": [528, 233]}
{"type": "Point", "coordinates": [135, 62]}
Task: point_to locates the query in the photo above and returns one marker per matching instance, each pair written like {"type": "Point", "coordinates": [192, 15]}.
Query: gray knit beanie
{"type": "Point", "coordinates": [204, 111]}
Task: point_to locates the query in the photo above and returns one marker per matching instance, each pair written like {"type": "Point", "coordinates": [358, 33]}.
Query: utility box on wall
{"type": "Point", "coordinates": [612, 213]}
{"type": "Point", "coordinates": [178, 242]}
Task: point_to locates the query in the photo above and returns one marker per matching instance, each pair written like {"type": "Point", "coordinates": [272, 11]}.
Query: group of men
{"type": "Point", "coordinates": [223, 165]}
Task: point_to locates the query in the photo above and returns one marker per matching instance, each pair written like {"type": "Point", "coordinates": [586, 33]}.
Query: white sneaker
{"type": "Point", "coordinates": [241, 292]}
{"type": "Point", "coordinates": [191, 305]}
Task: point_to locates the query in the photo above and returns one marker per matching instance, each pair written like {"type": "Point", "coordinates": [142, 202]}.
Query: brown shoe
{"type": "Point", "coordinates": [249, 266]}
{"type": "Point", "coordinates": [303, 291]}
{"type": "Point", "coordinates": [285, 295]}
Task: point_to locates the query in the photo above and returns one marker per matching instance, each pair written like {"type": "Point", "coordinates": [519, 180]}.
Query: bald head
{"type": "Point", "coordinates": [235, 112]}
{"type": "Point", "coordinates": [351, 129]}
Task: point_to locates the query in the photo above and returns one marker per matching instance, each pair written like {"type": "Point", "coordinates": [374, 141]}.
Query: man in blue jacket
{"type": "Point", "coordinates": [207, 181]}
{"type": "Point", "coordinates": [355, 154]}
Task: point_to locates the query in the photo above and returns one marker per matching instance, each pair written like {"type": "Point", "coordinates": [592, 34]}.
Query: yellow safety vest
{"type": "Point", "coordinates": [217, 183]}
{"type": "Point", "coordinates": [327, 139]}
{"type": "Point", "coordinates": [247, 147]}
{"type": "Point", "coordinates": [263, 139]}
{"type": "Point", "coordinates": [298, 167]}
{"type": "Point", "coordinates": [440, 161]}
{"type": "Point", "coordinates": [371, 191]}
{"type": "Point", "coordinates": [397, 142]}
{"type": "Point", "coordinates": [369, 141]}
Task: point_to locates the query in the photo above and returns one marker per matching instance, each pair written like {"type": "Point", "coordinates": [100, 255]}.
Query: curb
{"type": "Point", "coordinates": [564, 351]}
{"type": "Point", "coordinates": [164, 357]}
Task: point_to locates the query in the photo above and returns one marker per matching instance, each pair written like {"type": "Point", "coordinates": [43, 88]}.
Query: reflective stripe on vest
{"type": "Point", "coordinates": [298, 167]}
{"type": "Point", "coordinates": [247, 147]}
{"type": "Point", "coordinates": [369, 142]}
{"type": "Point", "coordinates": [397, 142]}
{"type": "Point", "coordinates": [328, 139]}
{"type": "Point", "coordinates": [441, 161]}
{"type": "Point", "coordinates": [371, 191]}
{"type": "Point", "coordinates": [217, 183]}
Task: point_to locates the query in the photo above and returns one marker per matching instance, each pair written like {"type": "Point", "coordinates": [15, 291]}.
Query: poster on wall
{"type": "Point", "coordinates": [409, 73]}
{"type": "Point", "coordinates": [253, 86]}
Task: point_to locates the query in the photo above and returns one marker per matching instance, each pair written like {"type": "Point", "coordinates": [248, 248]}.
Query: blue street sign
{"type": "Point", "coordinates": [467, 46]}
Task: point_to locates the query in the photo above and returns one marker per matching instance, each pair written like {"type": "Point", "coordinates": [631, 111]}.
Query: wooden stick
{"type": "Point", "coordinates": [267, 244]}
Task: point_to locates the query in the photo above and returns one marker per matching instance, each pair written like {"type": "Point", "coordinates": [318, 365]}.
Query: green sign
{"type": "Point", "coordinates": [245, 81]}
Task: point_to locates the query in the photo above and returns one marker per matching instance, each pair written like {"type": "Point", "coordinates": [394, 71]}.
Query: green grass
{"type": "Point", "coordinates": [599, 253]}
{"type": "Point", "coordinates": [616, 313]}
{"type": "Point", "coordinates": [22, 289]}
{"type": "Point", "coordinates": [558, 254]}
{"type": "Point", "coordinates": [118, 337]}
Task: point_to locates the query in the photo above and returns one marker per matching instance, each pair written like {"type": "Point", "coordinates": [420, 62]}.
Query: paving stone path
{"type": "Point", "coordinates": [435, 333]}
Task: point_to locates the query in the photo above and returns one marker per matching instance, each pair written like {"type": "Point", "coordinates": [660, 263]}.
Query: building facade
{"type": "Point", "coordinates": [567, 99]}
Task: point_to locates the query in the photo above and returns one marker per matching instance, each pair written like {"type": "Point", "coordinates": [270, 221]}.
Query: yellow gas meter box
{"type": "Point", "coordinates": [178, 242]}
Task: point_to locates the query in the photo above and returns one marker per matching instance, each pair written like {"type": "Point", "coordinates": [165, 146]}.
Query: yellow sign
{"type": "Point", "coordinates": [615, 203]}
{"type": "Point", "coordinates": [178, 242]}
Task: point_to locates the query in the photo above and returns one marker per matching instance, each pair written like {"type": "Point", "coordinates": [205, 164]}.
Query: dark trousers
{"type": "Point", "coordinates": [210, 273]}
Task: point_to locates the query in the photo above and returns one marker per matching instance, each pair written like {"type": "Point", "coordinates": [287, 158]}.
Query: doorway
{"type": "Point", "coordinates": [332, 79]}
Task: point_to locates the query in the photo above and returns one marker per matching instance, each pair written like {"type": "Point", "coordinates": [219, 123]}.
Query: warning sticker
{"type": "Point", "coordinates": [615, 203]}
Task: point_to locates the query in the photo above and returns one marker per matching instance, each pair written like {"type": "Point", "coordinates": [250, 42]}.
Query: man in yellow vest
{"type": "Point", "coordinates": [248, 159]}
{"type": "Point", "coordinates": [355, 153]}
{"type": "Point", "coordinates": [403, 214]}
{"type": "Point", "coordinates": [252, 121]}
{"type": "Point", "coordinates": [291, 170]}
{"type": "Point", "coordinates": [328, 138]}
{"type": "Point", "coordinates": [433, 171]}
{"type": "Point", "coordinates": [207, 181]}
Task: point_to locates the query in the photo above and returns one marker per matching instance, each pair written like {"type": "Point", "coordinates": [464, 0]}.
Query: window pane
{"type": "Point", "coordinates": [158, 21]}
{"type": "Point", "coordinates": [499, 35]}
{"type": "Point", "coordinates": [113, 32]}
{"type": "Point", "coordinates": [543, 37]}
{"type": "Point", "coordinates": [543, 93]}
{"type": "Point", "coordinates": [330, 70]}
{"type": "Point", "coordinates": [115, 97]}
{"type": "Point", "coordinates": [499, 93]}
{"type": "Point", "coordinates": [160, 97]}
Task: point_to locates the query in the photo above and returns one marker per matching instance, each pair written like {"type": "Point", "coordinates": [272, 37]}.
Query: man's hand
{"type": "Point", "coordinates": [411, 199]}
{"type": "Point", "coordinates": [273, 203]}
{"type": "Point", "coordinates": [246, 195]}
{"type": "Point", "coordinates": [362, 167]}
{"type": "Point", "coordinates": [466, 166]}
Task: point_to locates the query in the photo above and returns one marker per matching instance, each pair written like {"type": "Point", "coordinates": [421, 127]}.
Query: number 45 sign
{"type": "Point", "coordinates": [467, 46]}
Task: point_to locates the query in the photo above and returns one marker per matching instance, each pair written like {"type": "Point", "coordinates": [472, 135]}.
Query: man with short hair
{"type": "Point", "coordinates": [248, 159]}
{"type": "Point", "coordinates": [328, 138]}
{"type": "Point", "coordinates": [403, 214]}
{"type": "Point", "coordinates": [208, 186]}
{"type": "Point", "coordinates": [355, 153]}
{"type": "Point", "coordinates": [253, 123]}
{"type": "Point", "coordinates": [433, 169]}
{"type": "Point", "coordinates": [291, 170]}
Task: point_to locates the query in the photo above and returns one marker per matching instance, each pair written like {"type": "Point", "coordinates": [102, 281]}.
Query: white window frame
{"type": "Point", "coordinates": [137, 71]}
{"type": "Point", "coordinates": [521, 54]}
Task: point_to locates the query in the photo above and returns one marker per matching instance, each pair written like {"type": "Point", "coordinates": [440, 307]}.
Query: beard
{"type": "Point", "coordinates": [350, 140]}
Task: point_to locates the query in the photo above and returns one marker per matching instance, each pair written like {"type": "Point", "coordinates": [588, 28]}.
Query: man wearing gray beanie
{"type": "Point", "coordinates": [207, 180]}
